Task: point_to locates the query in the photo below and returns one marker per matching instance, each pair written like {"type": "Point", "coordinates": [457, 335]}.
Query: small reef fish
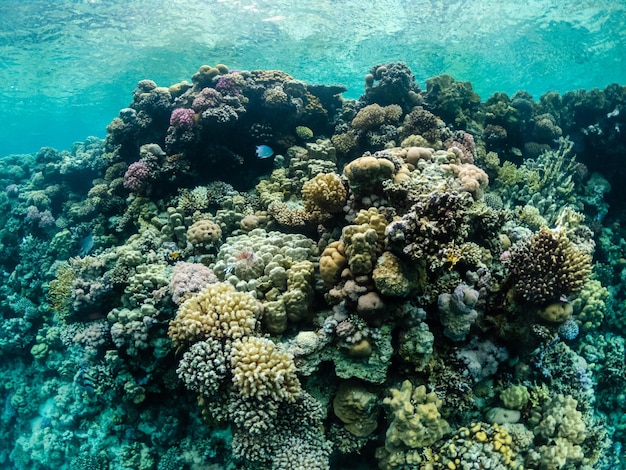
{"type": "Point", "coordinates": [263, 151]}
{"type": "Point", "coordinates": [86, 244]}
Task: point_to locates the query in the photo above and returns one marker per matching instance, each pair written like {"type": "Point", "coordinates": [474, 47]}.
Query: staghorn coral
{"type": "Point", "coordinates": [263, 371]}
{"type": "Point", "coordinates": [218, 311]}
{"type": "Point", "coordinates": [548, 266]}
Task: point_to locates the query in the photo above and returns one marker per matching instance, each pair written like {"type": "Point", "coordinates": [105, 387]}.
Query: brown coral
{"type": "Point", "coordinates": [204, 234]}
{"type": "Point", "coordinates": [333, 261]}
{"type": "Point", "coordinates": [549, 267]}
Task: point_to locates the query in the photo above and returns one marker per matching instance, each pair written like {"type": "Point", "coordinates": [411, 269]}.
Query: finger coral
{"type": "Point", "coordinates": [416, 421]}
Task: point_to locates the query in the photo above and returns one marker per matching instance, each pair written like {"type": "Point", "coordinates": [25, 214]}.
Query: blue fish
{"type": "Point", "coordinates": [263, 151]}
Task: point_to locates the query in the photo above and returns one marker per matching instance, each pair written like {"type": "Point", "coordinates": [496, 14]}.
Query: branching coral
{"type": "Point", "coordinates": [261, 370]}
{"type": "Point", "coordinates": [416, 420]}
{"type": "Point", "coordinates": [218, 311]}
{"type": "Point", "coordinates": [548, 266]}
{"type": "Point", "coordinates": [323, 196]}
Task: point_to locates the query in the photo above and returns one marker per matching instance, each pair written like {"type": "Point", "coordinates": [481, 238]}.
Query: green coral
{"type": "Point", "coordinates": [415, 418]}
{"type": "Point", "coordinates": [515, 397]}
{"type": "Point", "coordinates": [590, 304]}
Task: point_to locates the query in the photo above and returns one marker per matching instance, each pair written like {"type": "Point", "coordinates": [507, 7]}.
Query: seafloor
{"type": "Point", "coordinates": [416, 279]}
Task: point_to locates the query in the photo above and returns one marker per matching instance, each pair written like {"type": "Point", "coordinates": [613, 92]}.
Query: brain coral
{"type": "Point", "coordinates": [549, 266]}
{"type": "Point", "coordinates": [262, 370]}
{"type": "Point", "coordinates": [218, 311]}
{"type": "Point", "coordinates": [204, 233]}
{"type": "Point", "coordinates": [333, 261]}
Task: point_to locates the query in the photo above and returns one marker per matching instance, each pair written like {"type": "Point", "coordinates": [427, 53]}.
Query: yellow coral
{"type": "Point", "coordinates": [416, 418]}
{"type": "Point", "coordinates": [323, 196]}
{"type": "Point", "coordinates": [217, 311]}
{"type": "Point", "coordinates": [332, 262]}
{"type": "Point", "coordinates": [361, 242]}
{"type": "Point", "coordinates": [261, 370]}
{"type": "Point", "coordinates": [374, 219]}
{"type": "Point", "coordinates": [299, 293]}
{"type": "Point", "coordinates": [204, 233]}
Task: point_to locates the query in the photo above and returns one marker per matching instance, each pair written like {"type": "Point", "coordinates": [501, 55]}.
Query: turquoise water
{"type": "Point", "coordinates": [380, 237]}
{"type": "Point", "coordinates": [67, 66]}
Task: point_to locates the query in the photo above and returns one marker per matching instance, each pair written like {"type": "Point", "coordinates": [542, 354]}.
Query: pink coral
{"type": "Point", "coordinates": [189, 278]}
{"type": "Point", "coordinates": [137, 175]}
{"type": "Point", "coordinates": [182, 118]}
{"type": "Point", "coordinates": [207, 98]}
{"type": "Point", "coordinates": [465, 143]}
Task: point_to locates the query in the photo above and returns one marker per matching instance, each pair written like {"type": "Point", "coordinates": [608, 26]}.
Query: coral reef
{"type": "Point", "coordinates": [414, 278]}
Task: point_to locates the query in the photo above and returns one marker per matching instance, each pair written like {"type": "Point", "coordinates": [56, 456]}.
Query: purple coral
{"type": "Point", "coordinates": [189, 278]}
{"type": "Point", "coordinates": [182, 118]}
{"type": "Point", "coordinates": [43, 219]}
{"type": "Point", "coordinates": [137, 175]}
{"type": "Point", "coordinates": [207, 98]}
{"type": "Point", "coordinates": [227, 85]}
{"type": "Point", "coordinates": [465, 143]}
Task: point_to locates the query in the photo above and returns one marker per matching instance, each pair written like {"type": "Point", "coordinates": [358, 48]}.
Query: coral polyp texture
{"type": "Point", "coordinates": [415, 279]}
{"type": "Point", "coordinates": [548, 267]}
{"type": "Point", "coordinates": [219, 312]}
